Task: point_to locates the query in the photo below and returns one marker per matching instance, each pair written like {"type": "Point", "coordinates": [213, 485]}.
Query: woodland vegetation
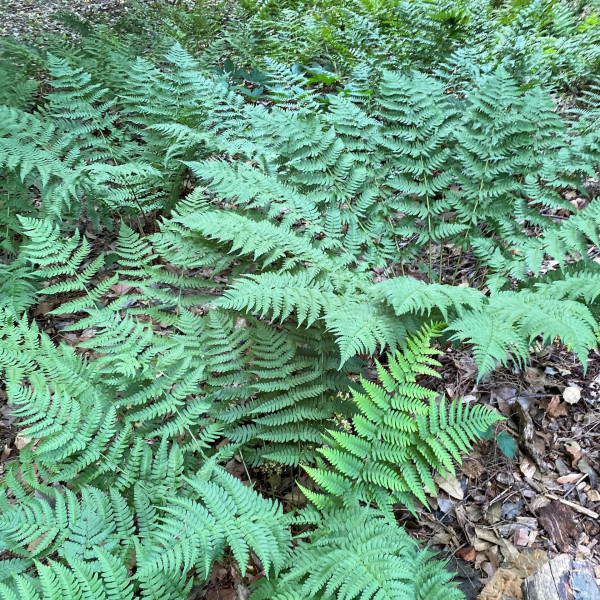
{"type": "Point", "coordinates": [239, 232]}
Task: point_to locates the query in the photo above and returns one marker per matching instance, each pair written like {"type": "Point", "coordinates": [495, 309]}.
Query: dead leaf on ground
{"type": "Point", "coordinates": [593, 495]}
{"type": "Point", "coordinates": [527, 467]}
{"type": "Point", "coordinates": [120, 289]}
{"type": "Point", "coordinates": [572, 395]}
{"type": "Point", "coordinates": [468, 553]}
{"type": "Point", "coordinates": [21, 442]}
{"type": "Point", "coordinates": [573, 449]}
{"type": "Point", "coordinates": [570, 478]}
{"type": "Point", "coordinates": [556, 408]}
{"type": "Point", "coordinates": [586, 468]}
{"type": "Point", "coordinates": [450, 485]}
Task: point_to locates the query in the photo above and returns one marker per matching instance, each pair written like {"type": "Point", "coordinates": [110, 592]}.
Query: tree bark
{"type": "Point", "coordinates": [562, 579]}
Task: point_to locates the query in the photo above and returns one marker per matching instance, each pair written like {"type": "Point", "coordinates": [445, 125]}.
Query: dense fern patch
{"type": "Point", "coordinates": [283, 195]}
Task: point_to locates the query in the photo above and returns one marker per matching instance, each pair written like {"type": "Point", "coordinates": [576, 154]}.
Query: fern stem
{"type": "Point", "coordinates": [462, 247]}
{"type": "Point", "coordinates": [428, 223]}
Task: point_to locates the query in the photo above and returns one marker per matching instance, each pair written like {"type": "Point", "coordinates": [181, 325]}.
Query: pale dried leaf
{"type": "Point", "coordinates": [572, 395]}
{"type": "Point", "coordinates": [450, 485]}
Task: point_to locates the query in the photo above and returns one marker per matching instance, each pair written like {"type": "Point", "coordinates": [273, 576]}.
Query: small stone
{"type": "Point", "coordinates": [521, 537]}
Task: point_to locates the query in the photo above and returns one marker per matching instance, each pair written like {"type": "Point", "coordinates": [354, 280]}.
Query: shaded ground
{"type": "Point", "coordinates": [508, 513]}
{"type": "Point", "coordinates": [26, 19]}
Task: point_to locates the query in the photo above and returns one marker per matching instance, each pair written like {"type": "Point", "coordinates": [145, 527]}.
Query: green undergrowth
{"type": "Point", "coordinates": [239, 213]}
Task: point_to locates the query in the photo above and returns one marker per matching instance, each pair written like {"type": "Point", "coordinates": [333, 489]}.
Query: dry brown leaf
{"type": "Point", "coordinates": [570, 478]}
{"type": "Point", "coordinates": [468, 553]}
{"type": "Point", "coordinates": [593, 495]}
{"type": "Point", "coordinates": [494, 513]}
{"type": "Point", "coordinates": [473, 466]}
{"type": "Point", "coordinates": [480, 545]}
{"type": "Point", "coordinates": [487, 535]}
{"type": "Point", "coordinates": [441, 538]}
{"type": "Point", "coordinates": [450, 485]}
{"type": "Point", "coordinates": [489, 570]}
{"type": "Point", "coordinates": [527, 468]}
{"type": "Point", "coordinates": [21, 442]}
{"type": "Point", "coordinates": [120, 289]}
{"type": "Point", "coordinates": [35, 543]}
{"type": "Point", "coordinates": [5, 453]}
{"type": "Point", "coordinates": [509, 550]}
{"type": "Point", "coordinates": [556, 408]}
{"type": "Point", "coordinates": [573, 449]}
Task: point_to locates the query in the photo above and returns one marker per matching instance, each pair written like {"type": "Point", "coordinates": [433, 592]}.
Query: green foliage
{"type": "Point", "coordinates": [231, 217]}
{"type": "Point", "coordinates": [398, 435]}
{"type": "Point", "coordinates": [164, 522]}
{"type": "Point", "coordinates": [357, 553]}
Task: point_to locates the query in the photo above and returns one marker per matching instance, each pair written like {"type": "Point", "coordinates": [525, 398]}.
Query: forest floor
{"type": "Point", "coordinates": [498, 519]}
{"type": "Point", "coordinates": [25, 19]}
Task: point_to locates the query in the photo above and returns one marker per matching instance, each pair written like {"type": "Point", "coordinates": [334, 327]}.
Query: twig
{"type": "Point", "coordinates": [576, 507]}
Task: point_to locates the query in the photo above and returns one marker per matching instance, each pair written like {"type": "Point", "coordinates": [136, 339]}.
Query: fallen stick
{"type": "Point", "coordinates": [576, 507]}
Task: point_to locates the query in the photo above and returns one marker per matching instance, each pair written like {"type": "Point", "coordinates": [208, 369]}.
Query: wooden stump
{"type": "Point", "coordinates": [562, 579]}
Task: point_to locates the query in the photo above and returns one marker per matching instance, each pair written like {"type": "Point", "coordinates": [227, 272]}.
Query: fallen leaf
{"type": "Point", "coordinates": [445, 505]}
{"type": "Point", "coordinates": [480, 545]}
{"type": "Point", "coordinates": [570, 478]}
{"type": "Point", "coordinates": [556, 408]}
{"type": "Point", "coordinates": [441, 538]}
{"type": "Point", "coordinates": [451, 486]}
{"type": "Point", "coordinates": [593, 495]}
{"type": "Point", "coordinates": [509, 550]}
{"type": "Point", "coordinates": [573, 449]}
{"type": "Point", "coordinates": [488, 536]}
{"type": "Point", "coordinates": [21, 442]}
{"type": "Point", "coordinates": [525, 523]}
{"type": "Point", "coordinates": [473, 466]}
{"type": "Point", "coordinates": [35, 543]}
{"type": "Point", "coordinates": [5, 453]}
{"type": "Point", "coordinates": [468, 553]}
{"type": "Point", "coordinates": [494, 513]}
{"type": "Point", "coordinates": [511, 509]}
{"type": "Point", "coordinates": [562, 467]}
{"type": "Point", "coordinates": [585, 467]}
{"type": "Point", "coordinates": [489, 570]}
{"type": "Point", "coordinates": [572, 395]}
{"type": "Point", "coordinates": [527, 468]}
{"type": "Point", "coordinates": [120, 289]}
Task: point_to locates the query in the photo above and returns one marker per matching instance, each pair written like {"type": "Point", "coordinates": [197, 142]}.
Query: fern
{"type": "Point", "coordinates": [358, 554]}
{"type": "Point", "coordinates": [297, 190]}
{"type": "Point", "coordinates": [398, 436]}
